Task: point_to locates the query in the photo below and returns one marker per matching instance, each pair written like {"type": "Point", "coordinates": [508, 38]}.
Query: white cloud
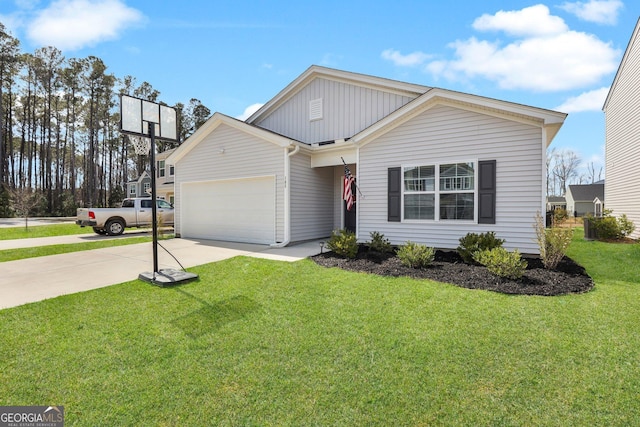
{"type": "Point", "coordinates": [409, 60]}
{"type": "Point", "coordinates": [588, 101]}
{"type": "Point", "coordinates": [549, 58]}
{"type": "Point", "coordinates": [74, 24]}
{"type": "Point", "coordinates": [249, 111]}
{"type": "Point", "coordinates": [598, 11]}
{"type": "Point", "coordinates": [530, 21]}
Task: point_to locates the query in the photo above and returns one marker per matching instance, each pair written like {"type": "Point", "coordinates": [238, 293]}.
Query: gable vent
{"type": "Point", "coordinates": [315, 109]}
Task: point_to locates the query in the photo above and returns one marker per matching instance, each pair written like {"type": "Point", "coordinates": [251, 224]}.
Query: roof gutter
{"type": "Point", "coordinates": [287, 196]}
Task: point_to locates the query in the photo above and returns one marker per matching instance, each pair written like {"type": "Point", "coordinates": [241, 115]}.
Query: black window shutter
{"type": "Point", "coordinates": [394, 192]}
{"type": "Point", "coordinates": [487, 192]}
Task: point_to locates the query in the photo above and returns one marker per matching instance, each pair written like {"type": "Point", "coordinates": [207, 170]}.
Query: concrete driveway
{"type": "Point", "coordinates": [36, 279]}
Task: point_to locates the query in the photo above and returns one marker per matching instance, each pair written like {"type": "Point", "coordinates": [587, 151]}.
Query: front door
{"type": "Point", "coordinates": [350, 215]}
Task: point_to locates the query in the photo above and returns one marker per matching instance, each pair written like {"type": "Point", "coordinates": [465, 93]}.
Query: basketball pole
{"type": "Point", "coordinates": [154, 205]}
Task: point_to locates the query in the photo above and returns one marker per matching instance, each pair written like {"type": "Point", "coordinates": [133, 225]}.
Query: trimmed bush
{"type": "Point", "coordinates": [553, 242]}
{"type": "Point", "coordinates": [379, 244]}
{"type": "Point", "coordinates": [502, 263]}
{"type": "Point", "coordinates": [473, 242]}
{"type": "Point", "coordinates": [626, 225]}
{"type": "Point", "coordinates": [415, 255]}
{"type": "Point", "coordinates": [343, 243]}
{"type": "Point", "coordinates": [611, 228]}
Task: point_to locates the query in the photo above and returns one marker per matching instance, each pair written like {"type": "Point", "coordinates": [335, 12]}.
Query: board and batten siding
{"type": "Point", "coordinates": [346, 110]}
{"type": "Point", "coordinates": [244, 156]}
{"type": "Point", "coordinates": [622, 147]}
{"type": "Point", "coordinates": [446, 134]}
{"type": "Point", "coordinates": [312, 199]}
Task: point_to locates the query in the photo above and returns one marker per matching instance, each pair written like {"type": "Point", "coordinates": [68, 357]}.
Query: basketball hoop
{"type": "Point", "coordinates": [141, 145]}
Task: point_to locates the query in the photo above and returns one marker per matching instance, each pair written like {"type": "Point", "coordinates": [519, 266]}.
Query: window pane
{"type": "Point", "coordinates": [419, 178]}
{"type": "Point", "coordinates": [456, 206]}
{"type": "Point", "coordinates": [457, 177]}
{"type": "Point", "coordinates": [419, 206]}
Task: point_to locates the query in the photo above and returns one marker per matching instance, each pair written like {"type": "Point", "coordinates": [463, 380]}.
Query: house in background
{"type": "Point", "coordinates": [141, 187]}
{"type": "Point", "coordinates": [431, 165]}
{"type": "Point", "coordinates": [622, 136]}
{"type": "Point", "coordinates": [585, 199]}
{"type": "Point", "coordinates": [556, 202]}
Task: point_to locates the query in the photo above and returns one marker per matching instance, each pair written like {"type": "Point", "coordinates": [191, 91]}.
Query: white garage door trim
{"type": "Point", "coordinates": [236, 210]}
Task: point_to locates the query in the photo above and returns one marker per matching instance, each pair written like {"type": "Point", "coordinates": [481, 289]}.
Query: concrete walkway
{"type": "Point", "coordinates": [35, 279]}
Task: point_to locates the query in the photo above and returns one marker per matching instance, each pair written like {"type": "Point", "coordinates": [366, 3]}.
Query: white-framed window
{"type": "Point", "coordinates": [161, 168]}
{"type": "Point", "coordinates": [172, 170]}
{"type": "Point", "coordinates": [445, 191]}
{"type": "Point", "coordinates": [147, 186]}
{"type": "Point", "coordinates": [132, 190]}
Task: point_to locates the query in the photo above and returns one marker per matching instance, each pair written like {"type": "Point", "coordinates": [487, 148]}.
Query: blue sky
{"type": "Point", "coordinates": [236, 55]}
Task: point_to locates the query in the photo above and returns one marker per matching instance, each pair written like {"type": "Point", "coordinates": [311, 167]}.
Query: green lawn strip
{"type": "Point", "coordinates": [604, 260]}
{"type": "Point", "coordinates": [260, 342]}
{"type": "Point", "coordinates": [38, 251]}
{"type": "Point", "coordinates": [32, 231]}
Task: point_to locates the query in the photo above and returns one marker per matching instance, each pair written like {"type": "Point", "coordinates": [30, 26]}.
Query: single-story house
{"type": "Point", "coordinates": [556, 202]}
{"type": "Point", "coordinates": [430, 165]}
{"type": "Point", "coordinates": [622, 136]}
{"type": "Point", "coordinates": [581, 199]}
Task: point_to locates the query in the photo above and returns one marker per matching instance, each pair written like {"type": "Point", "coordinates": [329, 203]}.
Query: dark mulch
{"type": "Point", "coordinates": [448, 267]}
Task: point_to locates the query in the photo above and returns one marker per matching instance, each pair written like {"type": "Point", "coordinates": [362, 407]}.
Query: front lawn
{"type": "Point", "coordinates": [10, 233]}
{"type": "Point", "coordinates": [259, 342]}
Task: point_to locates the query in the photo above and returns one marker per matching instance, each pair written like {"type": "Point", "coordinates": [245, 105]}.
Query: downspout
{"type": "Point", "coordinates": [287, 197]}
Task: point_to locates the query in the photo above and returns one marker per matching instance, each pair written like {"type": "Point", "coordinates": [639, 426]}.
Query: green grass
{"type": "Point", "coordinates": [38, 251]}
{"type": "Point", "coordinates": [10, 233]}
{"type": "Point", "coordinates": [266, 343]}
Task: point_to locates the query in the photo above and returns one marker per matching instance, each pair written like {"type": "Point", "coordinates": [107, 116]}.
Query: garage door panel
{"type": "Point", "coordinates": [235, 210]}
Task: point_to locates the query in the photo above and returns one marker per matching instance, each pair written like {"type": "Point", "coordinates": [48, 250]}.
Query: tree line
{"type": "Point", "coordinates": [563, 169]}
{"type": "Point", "coordinates": [60, 145]}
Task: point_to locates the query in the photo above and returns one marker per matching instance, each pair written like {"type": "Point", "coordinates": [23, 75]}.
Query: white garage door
{"type": "Point", "coordinates": [241, 210]}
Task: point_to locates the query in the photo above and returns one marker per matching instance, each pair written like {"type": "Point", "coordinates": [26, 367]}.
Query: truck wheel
{"type": "Point", "coordinates": [114, 227]}
{"type": "Point", "coordinates": [99, 231]}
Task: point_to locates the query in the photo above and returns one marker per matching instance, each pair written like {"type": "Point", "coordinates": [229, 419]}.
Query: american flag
{"type": "Point", "coordinates": [347, 194]}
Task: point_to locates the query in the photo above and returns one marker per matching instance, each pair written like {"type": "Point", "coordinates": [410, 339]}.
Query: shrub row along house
{"type": "Point", "coordinates": [430, 165]}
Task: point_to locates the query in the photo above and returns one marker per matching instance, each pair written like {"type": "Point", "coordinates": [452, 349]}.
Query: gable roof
{"type": "Point", "coordinates": [219, 119]}
{"type": "Point", "coordinates": [548, 119]}
{"type": "Point", "coordinates": [316, 71]}
{"type": "Point", "coordinates": [635, 37]}
{"type": "Point", "coordinates": [587, 192]}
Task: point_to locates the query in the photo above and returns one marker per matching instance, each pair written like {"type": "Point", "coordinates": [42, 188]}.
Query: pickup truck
{"type": "Point", "coordinates": [134, 212]}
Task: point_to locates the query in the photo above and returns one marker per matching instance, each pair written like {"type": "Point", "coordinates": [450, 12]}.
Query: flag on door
{"type": "Point", "coordinates": [347, 193]}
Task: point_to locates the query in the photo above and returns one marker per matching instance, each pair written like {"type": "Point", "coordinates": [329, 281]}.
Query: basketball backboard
{"type": "Point", "coordinates": [136, 114]}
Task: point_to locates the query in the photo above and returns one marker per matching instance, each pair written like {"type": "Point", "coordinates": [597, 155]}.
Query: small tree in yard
{"type": "Point", "coordinates": [553, 242]}
{"type": "Point", "coordinates": [24, 202]}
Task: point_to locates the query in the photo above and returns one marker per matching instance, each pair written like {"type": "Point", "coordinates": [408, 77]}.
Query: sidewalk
{"type": "Point", "coordinates": [35, 279]}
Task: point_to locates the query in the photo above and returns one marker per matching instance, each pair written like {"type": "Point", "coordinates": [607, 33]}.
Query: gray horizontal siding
{"type": "Point", "coordinates": [347, 110]}
{"type": "Point", "coordinates": [622, 119]}
{"type": "Point", "coordinates": [447, 134]}
{"type": "Point", "coordinates": [244, 156]}
{"type": "Point", "coordinates": [312, 199]}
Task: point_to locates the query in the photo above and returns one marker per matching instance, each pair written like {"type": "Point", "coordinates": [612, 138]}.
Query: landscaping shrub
{"type": "Point", "coordinates": [379, 244]}
{"type": "Point", "coordinates": [609, 227]}
{"type": "Point", "coordinates": [343, 243]}
{"type": "Point", "coordinates": [415, 255]}
{"type": "Point", "coordinates": [559, 215]}
{"type": "Point", "coordinates": [502, 263]}
{"type": "Point", "coordinates": [473, 242]}
{"type": "Point", "coordinates": [553, 242]}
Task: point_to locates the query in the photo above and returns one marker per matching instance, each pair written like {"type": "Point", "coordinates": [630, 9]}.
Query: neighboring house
{"type": "Point", "coordinates": [141, 187]}
{"type": "Point", "coordinates": [585, 198]}
{"type": "Point", "coordinates": [622, 136]}
{"type": "Point", "coordinates": [556, 202]}
{"type": "Point", "coordinates": [431, 165]}
{"type": "Point", "coordinates": [165, 175]}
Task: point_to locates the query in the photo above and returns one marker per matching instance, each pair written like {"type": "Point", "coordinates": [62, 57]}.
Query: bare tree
{"type": "Point", "coordinates": [593, 174]}
{"type": "Point", "coordinates": [565, 168]}
{"type": "Point", "coordinates": [24, 201]}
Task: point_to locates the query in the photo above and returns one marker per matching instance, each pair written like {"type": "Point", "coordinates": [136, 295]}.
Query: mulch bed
{"type": "Point", "coordinates": [448, 267]}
